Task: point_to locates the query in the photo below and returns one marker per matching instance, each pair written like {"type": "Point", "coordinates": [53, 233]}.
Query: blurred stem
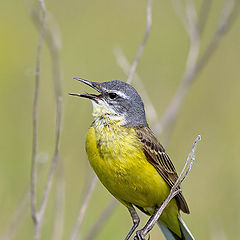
{"type": "Point", "coordinates": [54, 51]}
{"type": "Point", "coordinates": [35, 215]}
{"type": "Point", "coordinates": [144, 41]}
{"type": "Point", "coordinates": [83, 209]}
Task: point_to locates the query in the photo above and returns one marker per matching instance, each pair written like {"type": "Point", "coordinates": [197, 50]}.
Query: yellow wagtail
{"type": "Point", "coordinates": [129, 160]}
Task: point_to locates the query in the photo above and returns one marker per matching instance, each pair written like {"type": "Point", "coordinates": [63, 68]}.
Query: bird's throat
{"type": "Point", "coordinates": [103, 115]}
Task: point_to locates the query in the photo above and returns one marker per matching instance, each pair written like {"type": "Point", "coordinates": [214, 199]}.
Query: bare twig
{"type": "Point", "coordinates": [83, 209]}
{"type": "Point", "coordinates": [195, 65]}
{"type": "Point", "coordinates": [54, 49]}
{"type": "Point", "coordinates": [53, 42]}
{"type": "Point", "coordinates": [145, 38]}
{"type": "Point", "coordinates": [35, 116]}
{"type": "Point", "coordinates": [229, 14]}
{"type": "Point", "coordinates": [125, 66]}
{"type": "Point", "coordinates": [107, 212]}
{"type": "Point", "coordinates": [174, 190]}
{"type": "Point", "coordinates": [190, 69]}
{"type": "Point", "coordinates": [53, 46]}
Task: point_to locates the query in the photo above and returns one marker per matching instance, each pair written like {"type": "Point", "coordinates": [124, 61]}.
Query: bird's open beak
{"type": "Point", "coordinates": [94, 85]}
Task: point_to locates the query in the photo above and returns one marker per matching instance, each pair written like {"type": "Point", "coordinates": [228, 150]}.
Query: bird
{"type": "Point", "coordinates": [129, 160]}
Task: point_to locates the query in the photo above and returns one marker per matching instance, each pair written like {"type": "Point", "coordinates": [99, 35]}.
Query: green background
{"type": "Point", "coordinates": [90, 30]}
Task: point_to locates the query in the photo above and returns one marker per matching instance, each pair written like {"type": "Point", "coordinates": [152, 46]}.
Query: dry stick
{"type": "Point", "coordinates": [145, 38]}
{"type": "Point", "coordinates": [53, 41]}
{"type": "Point", "coordinates": [35, 131]}
{"type": "Point", "coordinates": [107, 212]}
{"type": "Point", "coordinates": [174, 190]}
{"type": "Point", "coordinates": [83, 209]}
{"type": "Point", "coordinates": [57, 86]}
{"type": "Point", "coordinates": [191, 73]}
{"type": "Point", "coordinates": [125, 66]}
{"type": "Point", "coordinates": [229, 15]}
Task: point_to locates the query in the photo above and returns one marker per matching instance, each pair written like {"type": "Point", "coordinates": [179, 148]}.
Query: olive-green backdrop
{"type": "Point", "coordinates": [90, 30]}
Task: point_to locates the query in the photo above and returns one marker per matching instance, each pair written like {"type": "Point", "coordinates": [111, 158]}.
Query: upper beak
{"type": "Point", "coordinates": [94, 85]}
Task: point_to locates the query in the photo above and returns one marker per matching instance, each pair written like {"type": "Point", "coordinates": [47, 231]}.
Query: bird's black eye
{"type": "Point", "coordinates": [112, 95]}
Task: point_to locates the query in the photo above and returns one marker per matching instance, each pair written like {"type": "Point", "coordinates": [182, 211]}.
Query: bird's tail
{"type": "Point", "coordinates": [169, 235]}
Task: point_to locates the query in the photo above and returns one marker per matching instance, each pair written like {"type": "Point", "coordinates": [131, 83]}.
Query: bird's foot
{"type": "Point", "coordinates": [140, 236]}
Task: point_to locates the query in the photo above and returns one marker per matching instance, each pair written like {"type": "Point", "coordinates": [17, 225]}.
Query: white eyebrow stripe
{"type": "Point", "coordinates": [119, 93]}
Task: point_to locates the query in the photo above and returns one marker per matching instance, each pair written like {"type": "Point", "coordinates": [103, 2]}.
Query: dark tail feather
{"type": "Point", "coordinates": [169, 235]}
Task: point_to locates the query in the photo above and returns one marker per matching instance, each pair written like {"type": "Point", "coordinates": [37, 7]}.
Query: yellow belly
{"type": "Point", "coordinates": [116, 155]}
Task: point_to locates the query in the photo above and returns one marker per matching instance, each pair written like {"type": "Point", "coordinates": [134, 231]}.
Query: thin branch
{"type": "Point", "coordinates": [189, 72]}
{"type": "Point", "coordinates": [174, 190]}
{"type": "Point", "coordinates": [229, 14]}
{"type": "Point", "coordinates": [125, 66]}
{"type": "Point", "coordinates": [195, 65]}
{"type": "Point", "coordinates": [107, 212]}
{"type": "Point", "coordinates": [83, 209]}
{"type": "Point", "coordinates": [53, 41]}
{"type": "Point", "coordinates": [54, 49]}
{"type": "Point", "coordinates": [35, 117]}
{"type": "Point", "coordinates": [145, 38]}
{"type": "Point", "coordinates": [53, 46]}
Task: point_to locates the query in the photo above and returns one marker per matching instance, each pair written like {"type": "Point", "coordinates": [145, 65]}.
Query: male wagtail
{"type": "Point", "coordinates": [129, 160]}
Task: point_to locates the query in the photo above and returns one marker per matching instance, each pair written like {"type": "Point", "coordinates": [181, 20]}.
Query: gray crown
{"type": "Point", "coordinates": [128, 101]}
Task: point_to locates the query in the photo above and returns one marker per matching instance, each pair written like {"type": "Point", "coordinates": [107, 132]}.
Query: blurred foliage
{"type": "Point", "coordinates": [90, 30]}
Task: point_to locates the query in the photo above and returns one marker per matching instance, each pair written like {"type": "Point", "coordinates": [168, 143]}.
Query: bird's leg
{"type": "Point", "coordinates": [140, 234]}
{"type": "Point", "coordinates": [135, 219]}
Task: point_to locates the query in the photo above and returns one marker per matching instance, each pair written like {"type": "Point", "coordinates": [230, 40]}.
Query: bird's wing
{"type": "Point", "coordinates": [157, 156]}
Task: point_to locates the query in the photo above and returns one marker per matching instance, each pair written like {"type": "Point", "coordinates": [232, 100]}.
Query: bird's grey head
{"type": "Point", "coordinates": [117, 101]}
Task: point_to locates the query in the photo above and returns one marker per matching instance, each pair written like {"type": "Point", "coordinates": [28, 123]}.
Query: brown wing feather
{"type": "Point", "coordinates": [158, 157]}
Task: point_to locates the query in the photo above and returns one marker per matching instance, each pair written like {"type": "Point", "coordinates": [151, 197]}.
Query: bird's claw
{"type": "Point", "coordinates": [140, 236]}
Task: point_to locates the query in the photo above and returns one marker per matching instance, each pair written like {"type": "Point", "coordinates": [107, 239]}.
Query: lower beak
{"type": "Point", "coordinates": [85, 95]}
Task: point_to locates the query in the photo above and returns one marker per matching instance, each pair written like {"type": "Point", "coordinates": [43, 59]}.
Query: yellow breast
{"type": "Point", "coordinates": [116, 155]}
